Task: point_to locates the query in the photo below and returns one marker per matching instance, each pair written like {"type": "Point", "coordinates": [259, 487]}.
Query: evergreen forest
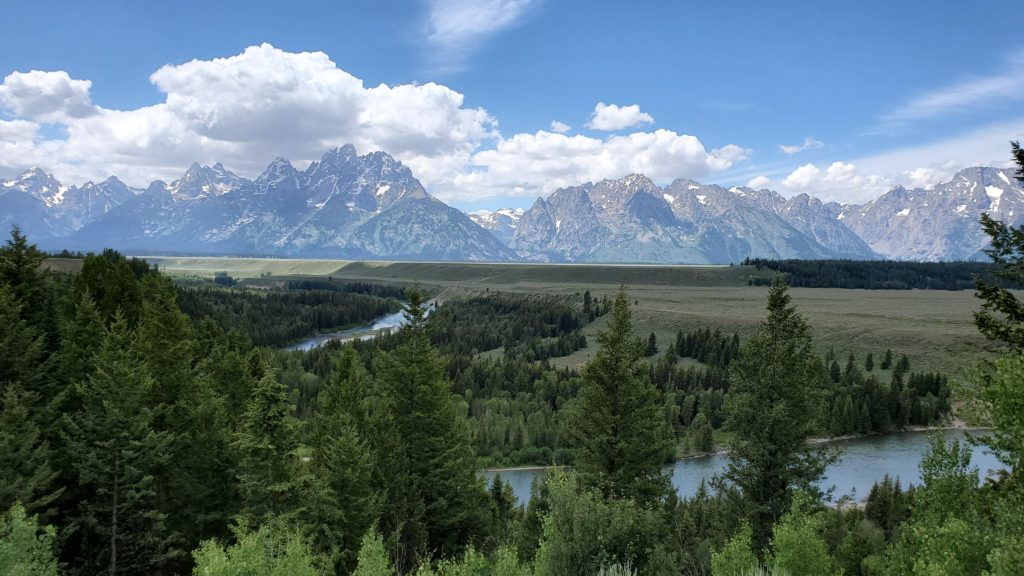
{"type": "Point", "coordinates": [148, 427]}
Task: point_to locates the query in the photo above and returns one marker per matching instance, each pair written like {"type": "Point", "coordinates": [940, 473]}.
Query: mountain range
{"type": "Point", "coordinates": [372, 207]}
{"type": "Point", "coordinates": [342, 206]}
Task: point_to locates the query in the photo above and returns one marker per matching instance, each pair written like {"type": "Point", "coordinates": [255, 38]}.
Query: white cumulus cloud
{"type": "Point", "coordinates": [244, 110]}
{"type": "Point", "coordinates": [759, 182]}
{"type": "Point", "coordinates": [18, 130]}
{"type": "Point", "coordinates": [46, 96]}
{"type": "Point", "coordinates": [560, 127]}
{"type": "Point", "coordinates": [531, 164]}
{"type": "Point", "coordinates": [611, 117]}
{"type": "Point", "coordinates": [923, 177]}
{"type": "Point", "coordinates": [247, 109]}
{"type": "Point", "coordinates": [841, 181]}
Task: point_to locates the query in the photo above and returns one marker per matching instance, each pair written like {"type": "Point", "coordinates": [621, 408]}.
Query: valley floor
{"type": "Point", "coordinates": [934, 327]}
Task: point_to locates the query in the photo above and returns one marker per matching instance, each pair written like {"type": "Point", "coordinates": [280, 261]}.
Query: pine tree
{"type": "Point", "coordinates": [120, 529]}
{"type": "Point", "coordinates": [74, 362]}
{"type": "Point", "coordinates": [20, 264]}
{"type": "Point", "coordinates": [21, 347]}
{"type": "Point", "coordinates": [79, 343]}
{"type": "Point", "coordinates": [266, 443]}
{"type": "Point", "coordinates": [886, 505]}
{"type": "Point", "coordinates": [196, 489]}
{"type": "Point", "coordinates": [703, 435]}
{"type": "Point", "coordinates": [652, 345]}
{"type": "Point", "coordinates": [229, 372]}
{"type": "Point", "coordinates": [21, 271]}
{"type": "Point", "coordinates": [435, 503]}
{"type": "Point", "coordinates": [774, 405]}
{"type": "Point", "coordinates": [109, 280]}
{"type": "Point", "coordinates": [887, 360]}
{"type": "Point", "coordinates": [201, 491]}
{"type": "Point", "coordinates": [26, 473]}
{"type": "Point", "coordinates": [869, 363]}
{"type": "Point", "coordinates": [617, 426]}
{"type": "Point", "coordinates": [341, 504]}
{"type": "Point", "coordinates": [166, 343]}
{"type": "Point", "coordinates": [903, 366]}
{"type": "Point", "coordinates": [504, 512]}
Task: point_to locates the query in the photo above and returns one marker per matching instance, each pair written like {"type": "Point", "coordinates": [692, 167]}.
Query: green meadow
{"type": "Point", "coordinates": [933, 327]}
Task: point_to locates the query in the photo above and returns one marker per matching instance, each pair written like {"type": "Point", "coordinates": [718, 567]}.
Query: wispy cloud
{"type": "Point", "coordinates": [810, 143]}
{"type": "Point", "coordinates": [458, 27]}
{"type": "Point", "coordinates": [966, 95]}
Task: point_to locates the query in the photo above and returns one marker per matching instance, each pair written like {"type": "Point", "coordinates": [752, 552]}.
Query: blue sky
{"type": "Point", "coordinates": [836, 99]}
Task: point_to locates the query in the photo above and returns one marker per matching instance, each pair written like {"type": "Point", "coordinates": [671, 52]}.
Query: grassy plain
{"type": "Point", "coordinates": [933, 327]}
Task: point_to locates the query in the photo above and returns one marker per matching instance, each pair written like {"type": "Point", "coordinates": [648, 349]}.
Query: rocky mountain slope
{"type": "Point", "coordinates": [43, 207]}
{"type": "Point", "coordinates": [940, 223]}
{"type": "Point", "coordinates": [502, 223]}
{"type": "Point", "coordinates": [633, 220]}
{"type": "Point", "coordinates": [342, 206]}
{"type": "Point", "coordinates": [372, 207]}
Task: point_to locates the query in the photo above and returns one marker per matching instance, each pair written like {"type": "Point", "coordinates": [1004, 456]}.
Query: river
{"type": "Point", "coordinates": [387, 322]}
{"type": "Point", "coordinates": [863, 461]}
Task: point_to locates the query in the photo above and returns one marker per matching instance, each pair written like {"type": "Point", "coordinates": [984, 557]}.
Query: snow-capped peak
{"type": "Point", "coordinates": [202, 181]}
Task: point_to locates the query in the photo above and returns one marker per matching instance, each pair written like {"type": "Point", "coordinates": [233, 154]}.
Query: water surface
{"type": "Point", "coordinates": [863, 461]}
{"type": "Point", "coordinates": [387, 322]}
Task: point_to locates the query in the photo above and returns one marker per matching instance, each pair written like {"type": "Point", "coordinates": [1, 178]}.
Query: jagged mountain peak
{"type": "Point", "coordinates": [345, 152]}
{"type": "Point", "coordinates": [32, 178]}
{"type": "Point", "coordinates": [343, 206]}
{"type": "Point", "coordinates": [279, 170]}
{"type": "Point", "coordinates": [38, 183]}
{"type": "Point", "coordinates": [627, 185]}
{"type": "Point", "coordinates": [201, 181]}
{"type": "Point", "coordinates": [686, 183]}
{"type": "Point", "coordinates": [347, 205]}
{"type": "Point", "coordinates": [939, 222]}
{"type": "Point", "coordinates": [501, 222]}
{"type": "Point", "coordinates": [632, 219]}
{"type": "Point", "coordinates": [343, 181]}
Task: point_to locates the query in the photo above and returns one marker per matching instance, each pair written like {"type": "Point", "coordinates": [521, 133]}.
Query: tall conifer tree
{"type": "Point", "coordinates": [21, 271]}
{"type": "Point", "coordinates": [21, 347]}
{"type": "Point", "coordinates": [266, 444]}
{"type": "Point", "coordinates": [120, 528]}
{"type": "Point", "coordinates": [435, 503]}
{"type": "Point", "coordinates": [26, 472]}
{"type": "Point", "coordinates": [775, 401]}
{"type": "Point", "coordinates": [617, 425]}
{"type": "Point", "coordinates": [341, 504]}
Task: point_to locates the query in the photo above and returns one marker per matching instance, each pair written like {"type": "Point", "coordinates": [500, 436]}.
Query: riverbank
{"type": "Point", "coordinates": [863, 461]}
{"type": "Point", "coordinates": [955, 425]}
